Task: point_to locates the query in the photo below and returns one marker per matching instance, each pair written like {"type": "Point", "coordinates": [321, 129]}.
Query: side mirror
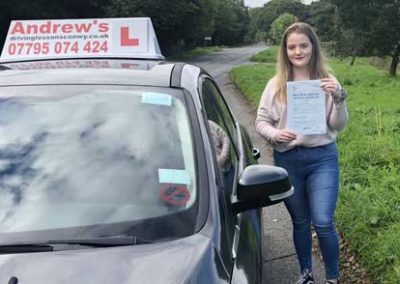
{"type": "Point", "coordinates": [262, 185]}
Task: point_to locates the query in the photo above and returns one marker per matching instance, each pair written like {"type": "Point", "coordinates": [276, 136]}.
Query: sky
{"type": "Point", "coordinates": [260, 3]}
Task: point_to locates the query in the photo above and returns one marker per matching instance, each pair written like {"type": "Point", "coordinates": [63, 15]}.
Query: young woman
{"type": "Point", "coordinates": [311, 160]}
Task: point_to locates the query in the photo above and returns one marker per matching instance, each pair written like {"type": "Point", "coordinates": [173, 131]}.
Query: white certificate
{"type": "Point", "coordinates": [306, 110]}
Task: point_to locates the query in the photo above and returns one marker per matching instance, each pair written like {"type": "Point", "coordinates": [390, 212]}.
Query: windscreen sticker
{"type": "Point", "coordinates": [157, 99]}
{"type": "Point", "coordinates": [174, 194]}
{"type": "Point", "coordinates": [173, 176]}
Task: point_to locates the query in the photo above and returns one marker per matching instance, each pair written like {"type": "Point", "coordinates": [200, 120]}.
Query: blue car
{"type": "Point", "coordinates": [124, 170]}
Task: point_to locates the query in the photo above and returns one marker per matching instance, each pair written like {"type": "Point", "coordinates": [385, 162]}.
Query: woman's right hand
{"type": "Point", "coordinates": [285, 136]}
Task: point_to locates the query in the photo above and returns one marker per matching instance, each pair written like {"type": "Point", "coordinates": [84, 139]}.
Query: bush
{"type": "Point", "coordinates": [279, 26]}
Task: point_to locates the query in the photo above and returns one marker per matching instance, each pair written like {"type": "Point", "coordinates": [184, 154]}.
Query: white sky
{"type": "Point", "coordinates": [260, 3]}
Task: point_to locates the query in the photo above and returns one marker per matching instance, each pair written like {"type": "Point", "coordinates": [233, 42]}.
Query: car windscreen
{"type": "Point", "coordinates": [95, 161]}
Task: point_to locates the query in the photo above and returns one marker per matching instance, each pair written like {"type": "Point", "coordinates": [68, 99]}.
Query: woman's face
{"type": "Point", "coordinates": [299, 49]}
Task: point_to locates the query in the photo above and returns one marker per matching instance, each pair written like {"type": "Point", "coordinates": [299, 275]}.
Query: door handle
{"type": "Point", "coordinates": [236, 238]}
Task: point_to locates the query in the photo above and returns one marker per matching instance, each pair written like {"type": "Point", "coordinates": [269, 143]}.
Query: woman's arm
{"type": "Point", "coordinates": [338, 116]}
{"type": "Point", "coordinates": [264, 121]}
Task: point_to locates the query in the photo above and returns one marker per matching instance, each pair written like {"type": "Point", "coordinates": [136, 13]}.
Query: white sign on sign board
{"type": "Point", "coordinates": [81, 38]}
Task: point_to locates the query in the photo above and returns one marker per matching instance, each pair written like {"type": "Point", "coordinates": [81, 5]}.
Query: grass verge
{"type": "Point", "coordinates": [198, 51]}
{"type": "Point", "coordinates": [368, 213]}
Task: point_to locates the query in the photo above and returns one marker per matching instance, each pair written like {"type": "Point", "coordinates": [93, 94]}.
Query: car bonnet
{"type": "Point", "coordinates": [176, 261]}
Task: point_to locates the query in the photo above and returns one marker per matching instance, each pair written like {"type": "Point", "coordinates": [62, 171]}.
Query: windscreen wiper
{"type": "Point", "coordinates": [52, 245]}
{"type": "Point", "coordinates": [23, 248]}
{"type": "Point", "coordinates": [102, 242]}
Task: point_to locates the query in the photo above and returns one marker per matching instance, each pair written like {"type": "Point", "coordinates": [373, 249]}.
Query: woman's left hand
{"type": "Point", "coordinates": [330, 86]}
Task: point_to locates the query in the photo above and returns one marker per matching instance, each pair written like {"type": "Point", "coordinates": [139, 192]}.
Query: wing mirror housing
{"type": "Point", "coordinates": [262, 185]}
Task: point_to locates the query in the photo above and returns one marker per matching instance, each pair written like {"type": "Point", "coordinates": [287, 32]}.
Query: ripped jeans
{"type": "Point", "coordinates": [314, 173]}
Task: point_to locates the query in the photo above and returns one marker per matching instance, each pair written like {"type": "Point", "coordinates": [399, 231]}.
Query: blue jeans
{"type": "Point", "coordinates": [314, 173]}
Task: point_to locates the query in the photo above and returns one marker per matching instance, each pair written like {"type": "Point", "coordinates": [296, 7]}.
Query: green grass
{"type": "Point", "coordinates": [198, 51]}
{"type": "Point", "coordinates": [267, 55]}
{"type": "Point", "coordinates": [252, 79]}
{"type": "Point", "coordinates": [368, 212]}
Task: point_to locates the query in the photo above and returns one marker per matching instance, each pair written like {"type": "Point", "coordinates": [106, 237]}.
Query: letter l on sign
{"type": "Point", "coordinates": [125, 40]}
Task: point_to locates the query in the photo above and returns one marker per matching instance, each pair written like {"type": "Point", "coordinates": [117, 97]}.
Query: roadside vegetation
{"type": "Point", "coordinates": [350, 28]}
{"type": "Point", "coordinates": [368, 214]}
{"type": "Point", "coordinates": [180, 25]}
{"type": "Point", "coordinates": [198, 51]}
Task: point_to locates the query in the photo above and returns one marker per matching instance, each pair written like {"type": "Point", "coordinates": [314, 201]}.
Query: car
{"type": "Point", "coordinates": [122, 167]}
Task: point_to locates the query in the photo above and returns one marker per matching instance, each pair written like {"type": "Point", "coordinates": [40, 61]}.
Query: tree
{"type": "Point", "coordinates": [323, 18]}
{"type": "Point", "coordinates": [181, 24]}
{"type": "Point", "coordinates": [386, 38]}
{"type": "Point", "coordinates": [274, 8]}
{"type": "Point", "coordinates": [232, 22]}
{"type": "Point", "coordinates": [167, 18]}
{"type": "Point", "coordinates": [374, 26]}
{"type": "Point", "coordinates": [279, 26]}
{"type": "Point", "coordinates": [198, 22]}
{"type": "Point", "coordinates": [255, 33]}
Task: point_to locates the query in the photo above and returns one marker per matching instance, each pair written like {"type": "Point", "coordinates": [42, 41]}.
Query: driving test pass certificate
{"type": "Point", "coordinates": [306, 111]}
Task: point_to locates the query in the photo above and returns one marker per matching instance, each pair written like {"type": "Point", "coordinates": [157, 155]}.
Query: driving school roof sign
{"type": "Point", "coordinates": [81, 38]}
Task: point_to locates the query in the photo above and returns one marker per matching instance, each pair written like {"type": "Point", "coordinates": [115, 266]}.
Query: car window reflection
{"type": "Point", "coordinates": [221, 145]}
{"type": "Point", "coordinates": [87, 159]}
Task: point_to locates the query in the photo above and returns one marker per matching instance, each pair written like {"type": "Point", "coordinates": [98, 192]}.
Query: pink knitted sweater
{"type": "Point", "coordinates": [271, 116]}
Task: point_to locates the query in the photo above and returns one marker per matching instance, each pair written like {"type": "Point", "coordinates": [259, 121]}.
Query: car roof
{"type": "Point", "coordinates": [87, 71]}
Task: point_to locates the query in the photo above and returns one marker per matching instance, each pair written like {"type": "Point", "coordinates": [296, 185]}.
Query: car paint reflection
{"type": "Point", "coordinates": [53, 172]}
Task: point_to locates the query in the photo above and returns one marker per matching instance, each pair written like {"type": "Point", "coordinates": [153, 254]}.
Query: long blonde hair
{"type": "Point", "coordinates": [284, 70]}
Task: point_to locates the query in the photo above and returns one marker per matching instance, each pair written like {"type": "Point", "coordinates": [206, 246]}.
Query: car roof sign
{"type": "Point", "coordinates": [81, 38]}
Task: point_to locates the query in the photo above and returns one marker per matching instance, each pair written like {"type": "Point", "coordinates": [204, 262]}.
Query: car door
{"type": "Point", "coordinates": [241, 232]}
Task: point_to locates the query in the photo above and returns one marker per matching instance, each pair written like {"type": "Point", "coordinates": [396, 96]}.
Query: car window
{"type": "Point", "coordinates": [222, 130]}
{"type": "Point", "coordinates": [223, 138]}
{"type": "Point", "coordinates": [218, 108]}
{"type": "Point", "coordinates": [76, 156]}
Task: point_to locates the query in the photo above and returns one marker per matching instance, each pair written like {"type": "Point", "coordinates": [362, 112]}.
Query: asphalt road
{"type": "Point", "coordinates": [279, 259]}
